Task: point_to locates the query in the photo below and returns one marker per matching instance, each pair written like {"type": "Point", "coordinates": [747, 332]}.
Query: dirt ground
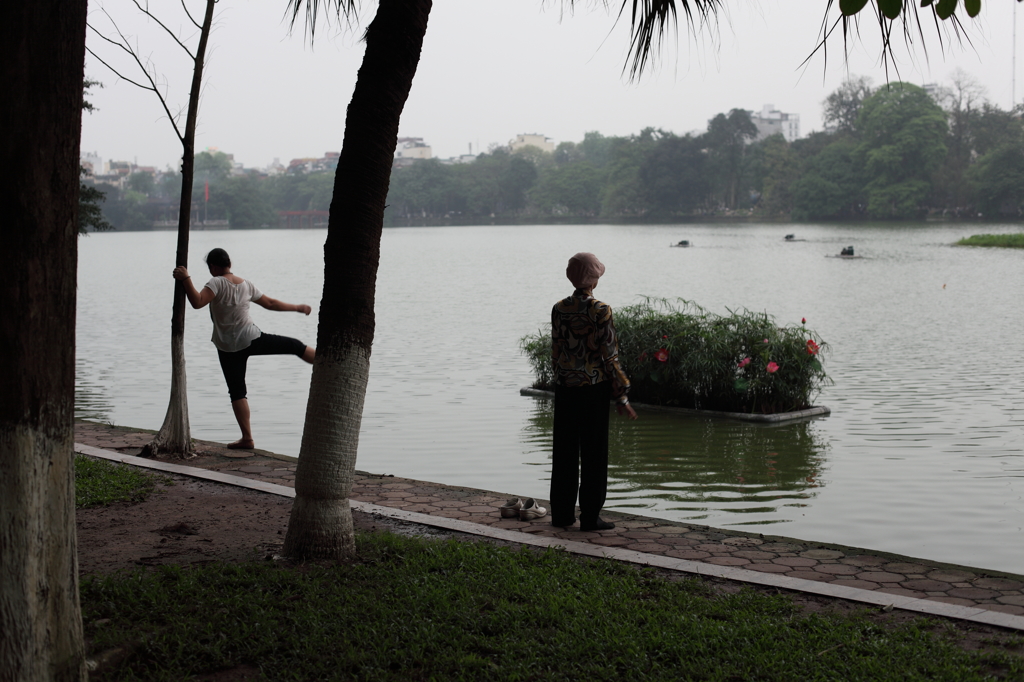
{"type": "Point", "coordinates": [191, 521]}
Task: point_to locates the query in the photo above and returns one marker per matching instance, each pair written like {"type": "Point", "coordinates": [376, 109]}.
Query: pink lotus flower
{"type": "Point", "coordinates": [661, 355]}
{"type": "Point", "coordinates": [812, 347]}
{"type": "Point", "coordinates": [772, 368]}
{"type": "Point", "coordinates": [743, 363]}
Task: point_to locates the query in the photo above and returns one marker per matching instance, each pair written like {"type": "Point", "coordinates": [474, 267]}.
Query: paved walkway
{"type": "Point", "coordinates": [835, 565]}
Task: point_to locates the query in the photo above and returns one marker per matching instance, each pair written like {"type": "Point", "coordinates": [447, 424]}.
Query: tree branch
{"type": "Point", "coordinates": [145, 10]}
{"type": "Point", "coordinates": [124, 45]}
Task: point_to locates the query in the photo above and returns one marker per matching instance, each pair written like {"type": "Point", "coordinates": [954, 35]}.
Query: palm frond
{"type": "Point", "coordinates": [346, 10]}
{"type": "Point", "coordinates": [650, 19]}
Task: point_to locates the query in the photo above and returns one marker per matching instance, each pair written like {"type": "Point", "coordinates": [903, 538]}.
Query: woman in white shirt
{"type": "Point", "coordinates": [236, 336]}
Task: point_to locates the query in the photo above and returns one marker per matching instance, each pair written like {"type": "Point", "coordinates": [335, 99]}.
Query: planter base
{"type": "Point", "coordinates": [817, 411]}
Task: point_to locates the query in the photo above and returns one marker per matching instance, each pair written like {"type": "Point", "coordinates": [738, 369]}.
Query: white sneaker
{"type": "Point", "coordinates": [531, 510]}
{"type": "Point", "coordinates": [511, 508]}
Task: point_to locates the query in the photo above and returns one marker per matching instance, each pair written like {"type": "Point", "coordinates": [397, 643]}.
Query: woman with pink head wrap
{"type": "Point", "coordinates": [585, 355]}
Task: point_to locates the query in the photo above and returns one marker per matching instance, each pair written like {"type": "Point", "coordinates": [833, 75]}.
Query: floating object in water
{"type": "Point", "coordinates": [682, 242]}
{"type": "Point", "coordinates": [847, 252]}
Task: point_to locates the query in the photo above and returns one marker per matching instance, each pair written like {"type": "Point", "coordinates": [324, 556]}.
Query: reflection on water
{"type": "Point", "coordinates": [92, 401]}
{"type": "Point", "coordinates": [692, 468]}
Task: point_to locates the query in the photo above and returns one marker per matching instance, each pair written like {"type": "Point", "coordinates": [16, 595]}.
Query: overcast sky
{"type": "Point", "coordinates": [491, 70]}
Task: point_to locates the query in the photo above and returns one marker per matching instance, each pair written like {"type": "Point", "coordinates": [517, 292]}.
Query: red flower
{"type": "Point", "coordinates": [772, 368]}
{"type": "Point", "coordinates": [812, 347]}
{"type": "Point", "coordinates": [665, 336]}
{"type": "Point", "coordinates": [803, 320]}
{"type": "Point", "coordinates": [743, 363]}
{"type": "Point", "coordinates": [661, 355]}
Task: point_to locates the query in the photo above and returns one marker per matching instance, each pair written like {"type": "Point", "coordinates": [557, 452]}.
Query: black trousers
{"type": "Point", "coordinates": [579, 457]}
{"type": "Point", "coordinates": [233, 363]}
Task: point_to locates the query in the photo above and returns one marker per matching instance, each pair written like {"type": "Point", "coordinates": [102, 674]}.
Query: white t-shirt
{"type": "Point", "coordinates": [233, 329]}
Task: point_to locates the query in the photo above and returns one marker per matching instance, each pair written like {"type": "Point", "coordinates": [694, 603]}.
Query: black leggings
{"type": "Point", "coordinates": [579, 458]}
{"type": "Point", "coordinates": [233, 363]}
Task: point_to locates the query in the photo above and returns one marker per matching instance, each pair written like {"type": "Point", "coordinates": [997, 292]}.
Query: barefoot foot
{"type": "Point", "coordinates": [243, 444]}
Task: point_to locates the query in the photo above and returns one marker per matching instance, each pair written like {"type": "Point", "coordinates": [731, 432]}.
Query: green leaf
{"type": "Point", "coordinates": [892, 8]}
{"type": "Point", "coordinates": [851, 7]}
{"type": "Point", "coordinates": [973, 7]}
{"type": "Point", "coordinates": [925, 3]}
{"type": "Point", "coordinates": [945, 8]}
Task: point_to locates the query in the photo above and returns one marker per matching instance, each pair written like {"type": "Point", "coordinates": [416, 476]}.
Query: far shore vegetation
{"type": "Point", "coordinates": [889, 152]}
{"type": "Point", "coordinates": [1009, 241]}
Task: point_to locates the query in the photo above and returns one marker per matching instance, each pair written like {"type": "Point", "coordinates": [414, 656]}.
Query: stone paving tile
{"type": "Point", "coordinates": [926, 585]}
{"type": "Point", "coordinates": [837, 569]}
{"type": "Point", "coordinates": [795, 562]}
{"type": "Point", "coordinates": [880, 577]}
{"type": "Point", "coordinates": [1006, 608]}
{"type": "Point", "coordinates": [848, 567]}
{"type": "Point", "coordinates": [646, 547]}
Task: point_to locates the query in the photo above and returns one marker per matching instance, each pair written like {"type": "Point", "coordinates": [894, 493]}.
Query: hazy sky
{"type": "Point", "coordinates": [491, 70]}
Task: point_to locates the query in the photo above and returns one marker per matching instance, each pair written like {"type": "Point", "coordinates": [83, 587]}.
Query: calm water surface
{"type": "Point", "coordinates": [923, 453]}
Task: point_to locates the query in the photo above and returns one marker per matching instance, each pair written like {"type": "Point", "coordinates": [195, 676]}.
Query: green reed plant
{"type": "Point", "coordinates": [679, 354]}
{"type": "Point", "coordinates": [1009, 241]}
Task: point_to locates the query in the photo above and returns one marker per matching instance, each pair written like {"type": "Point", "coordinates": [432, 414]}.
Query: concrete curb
{"type": "Point", "coordinates": [874, 598]}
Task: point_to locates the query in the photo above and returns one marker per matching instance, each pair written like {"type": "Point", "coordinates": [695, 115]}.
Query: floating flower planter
{"type": "Point", "coordinates": [679, 356]}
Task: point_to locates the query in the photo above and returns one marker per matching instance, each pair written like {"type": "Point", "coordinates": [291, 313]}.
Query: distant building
{"type": "Point", "coordinates": [327, 162]}
{"type": "Point", "coordinates": [93, 163]}
{"type": "Point", "coordinates": [770, 121]}
{"type": "Point", "coordinates": [532, 140]}
{"type": "Point", "coordinates": [410, 150]}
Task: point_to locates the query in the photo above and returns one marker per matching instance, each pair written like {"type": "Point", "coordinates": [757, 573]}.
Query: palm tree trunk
{"type": "Point", "coordinates": [42, 51]}
{"type": "Point", "coordinates": [321, 521]}
{"type": "Point", "coordinates": [175, 435]}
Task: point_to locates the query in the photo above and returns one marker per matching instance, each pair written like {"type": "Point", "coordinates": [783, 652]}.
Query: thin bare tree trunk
{"type": "Point", "coordinates": [42, 51]}
{"type": "Point", "coordinates": [175, 435]}
{"type": "Point", "coordinates": [321, 522]}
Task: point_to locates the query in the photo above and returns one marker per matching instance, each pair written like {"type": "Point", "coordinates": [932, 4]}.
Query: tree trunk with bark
{"type": "Point", "coordinates": [320, 526]}
{"type": "Point", "coordinates": [42, 53]}
{"type": "Point", "coordinates": [175, 435]}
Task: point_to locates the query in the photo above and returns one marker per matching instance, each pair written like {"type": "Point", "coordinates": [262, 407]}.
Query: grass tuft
{"type": "Point", "coordinates": [99, 483]}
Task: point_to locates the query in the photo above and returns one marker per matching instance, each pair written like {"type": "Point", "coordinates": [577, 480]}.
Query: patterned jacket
{"type": "Point", "coordinates": [584, 349]}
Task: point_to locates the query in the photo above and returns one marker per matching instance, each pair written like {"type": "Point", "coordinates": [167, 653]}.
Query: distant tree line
{"type": "Point", "coordinates": [889, 153]}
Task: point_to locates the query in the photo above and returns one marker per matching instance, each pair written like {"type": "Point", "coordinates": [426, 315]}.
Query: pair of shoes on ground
{"type": "Point", "coordinates": [527, 510]}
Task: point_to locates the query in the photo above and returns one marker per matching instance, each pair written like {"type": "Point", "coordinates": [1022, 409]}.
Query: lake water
{"type": "Point", "coordinates": [923, 454]}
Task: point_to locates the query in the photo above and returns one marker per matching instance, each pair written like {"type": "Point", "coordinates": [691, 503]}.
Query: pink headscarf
{"type": "Point", "coordinates": [584, 270]}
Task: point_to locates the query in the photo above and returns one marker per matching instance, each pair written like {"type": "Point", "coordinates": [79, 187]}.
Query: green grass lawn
{"type": "Point", "coordinates": [1012, 241]}
{"type": "Point", "coordinates": [417, 609]}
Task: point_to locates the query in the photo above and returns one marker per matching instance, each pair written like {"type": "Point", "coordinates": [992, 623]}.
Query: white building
{"type": "Point", "coordinates": [770, 121]}
{"type": "Point", "coordinates": [94, 163]}
{"type": "Point", "coordinates": [532, 140]}
{"type": "Point", "coordinates": [412, 148]}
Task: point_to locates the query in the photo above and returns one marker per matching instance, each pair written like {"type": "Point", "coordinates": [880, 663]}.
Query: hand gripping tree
{"type": "Point", "coordinates": [175, 436]}
{"type": "Point", "coordinates": [321, 521]}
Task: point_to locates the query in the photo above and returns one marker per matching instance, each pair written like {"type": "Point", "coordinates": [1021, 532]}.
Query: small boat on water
{"type": "Point", "coordinates": [792, 238]}
{"type": "Point", "coordinates": [682, 243]}
{"type": "Point", "coordinates": [847, 252]}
